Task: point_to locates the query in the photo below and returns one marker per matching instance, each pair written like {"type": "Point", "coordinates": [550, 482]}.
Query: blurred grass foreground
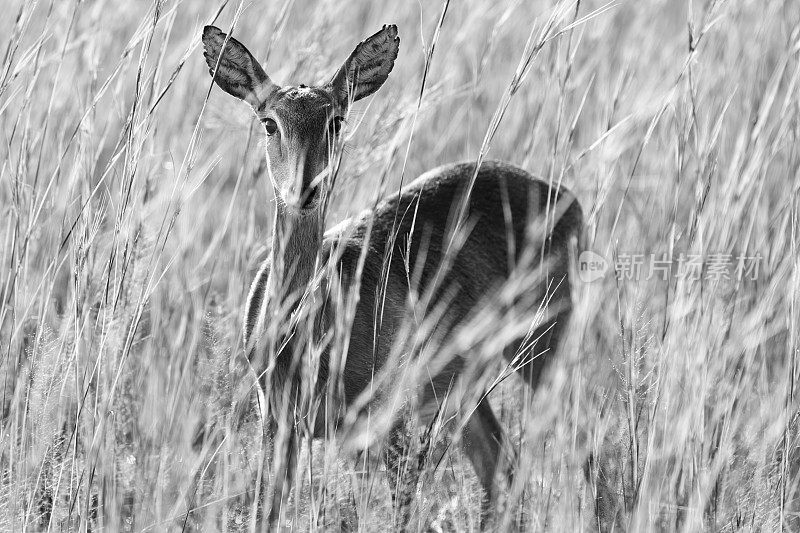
{"type": "Point", "coordinates": [136, 208]}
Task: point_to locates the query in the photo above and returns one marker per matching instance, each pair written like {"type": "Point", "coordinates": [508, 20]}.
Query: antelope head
{"type": "Point", "coordinates": [303, 123]}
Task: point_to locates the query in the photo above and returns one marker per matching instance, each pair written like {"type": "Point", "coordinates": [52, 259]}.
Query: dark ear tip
{"type": "Point", "coordinates": [211, 31]}
{"type": "Point", "coordinates": [391, 30]}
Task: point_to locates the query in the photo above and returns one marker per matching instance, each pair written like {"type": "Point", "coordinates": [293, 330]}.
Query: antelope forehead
{"type": "Point", "coordinates": [304, 99]}
{"type": "Point", "coordinates": [303, 108]}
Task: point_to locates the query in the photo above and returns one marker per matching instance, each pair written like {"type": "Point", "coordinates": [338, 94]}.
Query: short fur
{"type": "Point", "coordinates": [509, 214]}
{"type": "Point", "coordinates": [428, 205]}
{"type": "Point", "coordinates": [425, 209]}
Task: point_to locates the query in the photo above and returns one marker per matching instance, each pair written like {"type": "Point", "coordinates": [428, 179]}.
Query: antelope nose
{"type": "Point", "coordinates": [307, 179]}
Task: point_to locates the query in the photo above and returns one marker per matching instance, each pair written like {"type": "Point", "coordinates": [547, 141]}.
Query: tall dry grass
{"type": "Point", "coordinates": [136, 210]}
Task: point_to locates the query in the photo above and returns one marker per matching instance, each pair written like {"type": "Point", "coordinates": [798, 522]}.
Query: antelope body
{"type": "Point", "coordinates": [403, 250]}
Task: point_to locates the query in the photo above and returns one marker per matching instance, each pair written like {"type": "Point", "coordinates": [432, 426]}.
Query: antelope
{"type": "Point", "coordinates": [401, 250]}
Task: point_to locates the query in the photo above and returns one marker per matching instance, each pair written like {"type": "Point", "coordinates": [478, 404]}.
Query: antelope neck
{"type": "Point", "coordinates": [296, 240]}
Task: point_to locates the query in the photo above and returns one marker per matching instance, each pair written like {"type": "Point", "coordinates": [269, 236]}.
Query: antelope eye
{"type": "Point", "coordinates": [336, 124]}
{"type": "Point", "coordinates": [270, 125]}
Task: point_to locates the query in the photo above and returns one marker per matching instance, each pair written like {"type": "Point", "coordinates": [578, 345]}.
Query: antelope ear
{"type": "Point", "coordinates": [237, 71]}
{"type": "Point", "coordinates": [367, 67]}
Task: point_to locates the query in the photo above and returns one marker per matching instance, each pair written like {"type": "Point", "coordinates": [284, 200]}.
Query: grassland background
{"type": "Point", "coordinates": [134, 214]}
